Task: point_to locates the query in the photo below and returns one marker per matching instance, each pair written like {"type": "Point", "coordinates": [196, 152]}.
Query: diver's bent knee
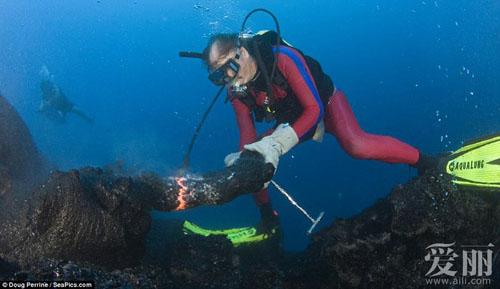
{"type": "Point", "coordinates": [357, 149]}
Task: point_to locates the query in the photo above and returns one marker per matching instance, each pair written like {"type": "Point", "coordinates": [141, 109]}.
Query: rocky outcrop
{"type": "Point", "coordinates": [21, 165]}
{"type": "Point", "coordinates": [80, 215]}
{"type": "Point", "coordinates": [385, 245]}
{"type": "Point", "coordinates": [94, 216]}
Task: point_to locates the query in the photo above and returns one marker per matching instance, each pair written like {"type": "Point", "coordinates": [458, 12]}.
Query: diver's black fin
{"type": "Point", "coordinates": [83, 115]}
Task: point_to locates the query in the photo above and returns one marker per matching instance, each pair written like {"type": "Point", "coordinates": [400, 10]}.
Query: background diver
{"type": "Point", "coordinates": [55, 105]}
{"type": "Point", "coordinates": [268, 79]}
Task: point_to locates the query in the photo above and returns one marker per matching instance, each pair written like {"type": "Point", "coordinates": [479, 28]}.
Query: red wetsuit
{"type": "Point", "coordinates": [337, 115]}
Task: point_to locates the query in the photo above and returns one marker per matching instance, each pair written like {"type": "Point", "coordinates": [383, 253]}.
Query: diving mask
{"type": "Point", "coordinates": [220, 75]}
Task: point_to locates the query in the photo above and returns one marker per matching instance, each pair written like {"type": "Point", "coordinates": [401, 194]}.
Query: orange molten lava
{"type": "Point", "coordinates": [183, 190]}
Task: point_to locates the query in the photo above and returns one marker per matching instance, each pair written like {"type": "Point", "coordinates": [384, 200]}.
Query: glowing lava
{"type": "Point", "coordinates": [183, 191]}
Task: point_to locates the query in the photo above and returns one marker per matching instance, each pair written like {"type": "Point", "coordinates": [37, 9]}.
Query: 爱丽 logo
{"type": "Point", "coordinates": [473, 265]}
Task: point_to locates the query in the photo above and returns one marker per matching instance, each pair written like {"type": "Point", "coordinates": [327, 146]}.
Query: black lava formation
{"type": "Point", "coordinates": [91, 224]}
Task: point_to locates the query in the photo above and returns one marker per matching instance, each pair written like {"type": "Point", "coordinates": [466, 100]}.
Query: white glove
{"type": "Point", "coordinates": [273, 146]}
{"type": "Point", "coordinates": [230, 159]}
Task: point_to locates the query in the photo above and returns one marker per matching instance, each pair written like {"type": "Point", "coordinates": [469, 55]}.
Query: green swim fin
{"type": "Point", "coordinates": [477, 163]}
{"type": "Point", "coordinates": [237, 236]}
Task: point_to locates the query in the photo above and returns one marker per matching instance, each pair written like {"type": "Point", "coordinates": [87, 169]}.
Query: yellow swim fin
{"type": "Point", "coordinates": [237, 236]}
{"type": "Point", "coordinates": [476, 163]}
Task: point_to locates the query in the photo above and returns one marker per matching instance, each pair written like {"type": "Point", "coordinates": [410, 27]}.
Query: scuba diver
{"type": "Point", "coordinates": [299, 97]}
{"type": "Point", "coordinates": [267, 79]}
{"type": "Point", "coordinates": [55, 105]}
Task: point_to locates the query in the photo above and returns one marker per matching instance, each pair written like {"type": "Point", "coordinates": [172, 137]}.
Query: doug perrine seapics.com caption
{"type": "Point", "coordinates": [46, 284]}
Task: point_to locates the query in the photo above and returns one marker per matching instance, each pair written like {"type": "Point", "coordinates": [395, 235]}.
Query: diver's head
{"type": "Point", "coordinates": [227, 63]}
{"type": "Point", "coordinates": [45, 74]}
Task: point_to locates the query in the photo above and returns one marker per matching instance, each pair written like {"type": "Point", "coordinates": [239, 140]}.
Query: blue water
{"type": "Point", "coordinates": [425, 72]}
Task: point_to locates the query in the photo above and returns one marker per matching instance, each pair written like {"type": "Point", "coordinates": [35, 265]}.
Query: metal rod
{"type": "Point", "coordinates": [292, 201]}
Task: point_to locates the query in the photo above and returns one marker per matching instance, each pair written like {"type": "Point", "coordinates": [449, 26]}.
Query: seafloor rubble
{"type": "Point", "coordinates": [94, 224]}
